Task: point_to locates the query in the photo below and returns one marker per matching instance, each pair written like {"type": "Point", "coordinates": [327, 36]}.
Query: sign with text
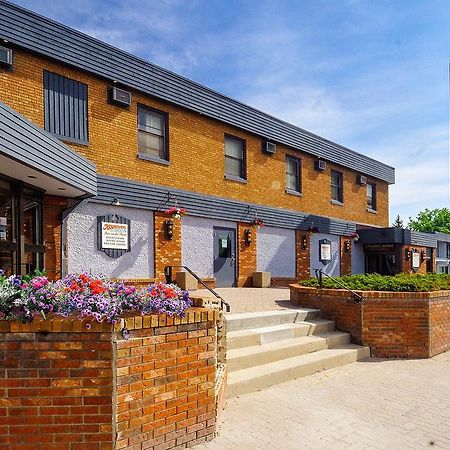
{"type": "Point", "coordinates": [415, 260]}
{"type": "Point", "coordinates": [3, 226]}
{"type": "Point", "coordinates": [325, 251]}
{"type": "Point", "coordinates": [115, 235]}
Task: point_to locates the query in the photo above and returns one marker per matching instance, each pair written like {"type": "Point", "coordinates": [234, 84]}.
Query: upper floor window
{"type": "Point", "coordinates": [293, 174]}
{"type": "Point", "coordinates": [371, 196]}
{"type": "Point", "coordinates": [337, 186]}
{"type": "Point", "coordinates": [235, 158]}
{"type": "Point", "coordinates": [448, 250]}
{"type": "Point", "coordinates": [152, 134]}
{"type": "Point", "coordinates": [65, 108]}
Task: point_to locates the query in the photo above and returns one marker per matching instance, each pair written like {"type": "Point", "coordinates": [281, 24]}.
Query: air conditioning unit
{"type": "Point", "coordinates": [269, 147]}
{"type": "Point", "coordinates": [6, 57]}
{"type": "Point", "coordinates": [119, 96]}
{"type": "Point", "coordinates": [320, 165]}
{"type": "Point", "coordinates": [361, 180]}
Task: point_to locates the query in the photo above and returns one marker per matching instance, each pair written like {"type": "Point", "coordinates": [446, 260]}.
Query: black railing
{"type": "Point", "coordinates": [319, 273]}
{"type": "Point", "coordinates": [168, 272]}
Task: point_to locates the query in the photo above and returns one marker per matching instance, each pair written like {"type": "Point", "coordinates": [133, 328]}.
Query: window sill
{"type": "Point", "coordinates": [69, 140]}
{"type": "Point", "coordinates": [154, 159]}
{"type": "Point", "coordinates": [292, 192]}
{"type": "Point", "coordinates": [234, 178]}
{"type": "Point", "coordinates": [336, 202]}
{"type": "Point", "coordinates": [372, 211]}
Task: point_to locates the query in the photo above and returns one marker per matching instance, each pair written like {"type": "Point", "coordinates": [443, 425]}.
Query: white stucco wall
{"type": "Point", "coordinates": [197, 243]}
{"type": "Point", "coordinates": [275, 251]}
{"type": "Point", "coordinates": [358, 260]}
{"type": "Point", "coordinates": [82, 243]}
{"type": "Point", "coordinates": [333, 268]}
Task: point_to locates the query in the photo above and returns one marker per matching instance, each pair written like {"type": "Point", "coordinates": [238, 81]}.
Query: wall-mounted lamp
{"type": "Point", "coordinates": [407, 253]}
{"type": "Point", "coordinates": [347, 246]}
{"type": "Point", "coordinates": [168, 229]}
{"type": "Point", "coordinates": [423, 254]}
{"type": "Point", "coordinates": [248, 236]}
{"type": "Point", "coordinates": [304, 242]}
{"type": "Point", "coordinates": [115, 202]}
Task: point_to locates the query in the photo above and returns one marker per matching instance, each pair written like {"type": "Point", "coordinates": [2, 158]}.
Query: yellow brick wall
{"type": "Point", "coordinates": [196, 146]}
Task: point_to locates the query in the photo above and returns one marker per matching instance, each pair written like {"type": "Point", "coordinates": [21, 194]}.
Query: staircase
{"type": "Point", "coordinates": [271, 347]}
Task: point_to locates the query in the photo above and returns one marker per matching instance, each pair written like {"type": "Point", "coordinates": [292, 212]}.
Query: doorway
{"type": "Point", "coordinates": [225, 256]}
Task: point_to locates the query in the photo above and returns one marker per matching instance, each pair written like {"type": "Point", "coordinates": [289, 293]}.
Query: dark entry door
{"type": "Point", "coordinates": [381, 263]}
{"type": "Point", "coordinates": [225, 256]}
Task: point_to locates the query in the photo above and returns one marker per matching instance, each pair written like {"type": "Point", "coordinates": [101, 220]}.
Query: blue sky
{"type": "Point", "coordinates": [370, 75]}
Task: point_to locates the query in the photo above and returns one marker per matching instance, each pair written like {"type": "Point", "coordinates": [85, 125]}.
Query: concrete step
{"type": "Point", "coordinates": [273, 333]}
{"type": "Point", "coordinates": [262, 376]}
{"type": "Point", "coordinates": [246, 321]}
{"type": "Point", "coordinates": [244, 358]}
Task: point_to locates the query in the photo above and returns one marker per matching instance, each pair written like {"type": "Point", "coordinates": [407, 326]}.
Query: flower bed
{"type": "Point", "coordinates": [86, 295]}
{"type": "Point", "coordinates": [397, 283]}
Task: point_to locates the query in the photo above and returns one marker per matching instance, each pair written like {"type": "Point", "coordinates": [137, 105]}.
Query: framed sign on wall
{"type": "Point", "coordinates": [325, 251]}
{"type": "Point", "coordinates": [113, 235]}
{"type": "Point", "coordinates": [415, 260]}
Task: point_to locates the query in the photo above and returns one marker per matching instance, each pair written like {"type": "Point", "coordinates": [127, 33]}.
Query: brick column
{"type": "Point", "coordinates": [246, 256]}
{"type": "Point", "coordinates": [303, 255]}
{"type": "Point", "coordinates": [406, 262]}
{"type": "Point", "coordinates": [346, 256]}
{"type": "Point", "coordinates": [53, 208]}
{"type": "Point", "coordinates": [167, 252]}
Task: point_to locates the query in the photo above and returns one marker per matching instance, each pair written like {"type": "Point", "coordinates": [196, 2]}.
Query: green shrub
{"type": "Point", "coordinates": [374, 282]}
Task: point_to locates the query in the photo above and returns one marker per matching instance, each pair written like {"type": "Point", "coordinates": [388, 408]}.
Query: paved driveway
{"type": "Point", "coordinates": [380, 404]}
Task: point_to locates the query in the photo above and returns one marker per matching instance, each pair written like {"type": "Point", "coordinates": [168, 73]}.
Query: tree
{"type": "Point", "coordinates": [398, 223]}
{"type": "Point", "coordinates": [431, 220]}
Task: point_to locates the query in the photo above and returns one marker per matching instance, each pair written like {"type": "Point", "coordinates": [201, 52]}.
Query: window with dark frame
{"type": "Point", "coordinates": [448, 250]}
{"type": "Point", "coordinates": [235, 157]}
{"type": "Point", "coordinates": [337, 186]}
{"type": "Point", "coordinates": [65, 108]}
{"type": "Point", "coordinates": [371, 196]}
{"type": "Point", "coordinates": [293, 174]}
{"type": "Point", "coordinates": [152, 134]}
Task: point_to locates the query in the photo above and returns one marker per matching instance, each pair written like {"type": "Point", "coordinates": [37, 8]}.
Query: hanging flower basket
{"type": "Point", "coordinates": [257, 223]}
{"type": "Point", "coordinates": [175, 212]}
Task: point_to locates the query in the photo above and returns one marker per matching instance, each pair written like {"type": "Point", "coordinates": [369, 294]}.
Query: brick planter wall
{"type": "Point", "coordinates": [65, 387]}
{"type": "Point", "coordinates": [392, 324]}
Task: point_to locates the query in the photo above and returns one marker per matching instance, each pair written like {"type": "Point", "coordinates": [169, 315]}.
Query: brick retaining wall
{"type": "Point", "coordinates": [392, 324]}
{"type": "Point", "coordinates": [65, 387]}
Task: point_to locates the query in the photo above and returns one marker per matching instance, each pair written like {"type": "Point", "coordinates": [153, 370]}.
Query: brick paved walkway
{"type": "Point", "coordinates": [374, 404]}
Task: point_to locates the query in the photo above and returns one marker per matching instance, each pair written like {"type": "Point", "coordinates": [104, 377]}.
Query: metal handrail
{"type": "Point", "coordinates": [169, 279]}
{"type": "Point", "coordinates": [319, 272]}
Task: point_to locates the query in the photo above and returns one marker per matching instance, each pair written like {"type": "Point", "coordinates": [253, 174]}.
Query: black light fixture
{"type": "Point", "coordinates": [304, 242]}
{"type": "Point", "coordinates": [407, 253]}
{"type": "Point", "coordinates": [423, 254]}
{"type": "Point", "coordinates": [248, 236]}
{"type": "Point", "coordinates": [347, 246]}
{"type": "Point", "coordinates": [115, 202]}
{"type": "Point", "coordinates": [168, 229]}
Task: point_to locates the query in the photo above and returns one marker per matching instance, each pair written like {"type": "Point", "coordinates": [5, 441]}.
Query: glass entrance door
{"type": "Point", "coordinates": [8, 227]}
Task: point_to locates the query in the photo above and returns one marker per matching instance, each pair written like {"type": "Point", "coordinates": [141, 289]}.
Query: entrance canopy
{"type": "Point", "coordinates": [30, 154]}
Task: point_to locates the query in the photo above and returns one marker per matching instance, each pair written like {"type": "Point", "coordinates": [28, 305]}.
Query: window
{"type": "Point", "coordinates": [152, 134]}
{"type": "Point", "coordinates": [448, 250]}
{"type": "Point", "coordinates": [65, 107]}
{"type": "Point", "coordinates": [337, 181]}
{"type": "Point", "coordinates": [371, 196]}
{"type": "Point", "coordinates": [234, 158]}
{"type": "Point", "coordinates": [293, 174]}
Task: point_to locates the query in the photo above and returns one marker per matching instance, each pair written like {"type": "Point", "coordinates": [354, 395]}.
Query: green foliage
{"type": "Point", "coordinates": [397, 283]}
{"type": "Point", "coordinates": [431, 220]}
{"type": "Point", "coordinates": [398, 223]}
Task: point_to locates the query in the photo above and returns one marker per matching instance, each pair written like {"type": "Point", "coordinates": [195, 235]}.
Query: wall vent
{"type": "Point", "coordinates": [119, 96]}
{"type": "Point", "coordinates": [6, 57]}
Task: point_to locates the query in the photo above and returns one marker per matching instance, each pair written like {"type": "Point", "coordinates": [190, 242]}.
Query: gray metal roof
{"type": "Point", "coordinates": [160, 198]}
{"type": "Point", "coordinates": [28, 144]}
{"type": "Point", "coordinates": [442, 237]}
{"type": "Point", "coordinates": [51, 39]}
{"type": "Point", "coordinates": [394, 235]}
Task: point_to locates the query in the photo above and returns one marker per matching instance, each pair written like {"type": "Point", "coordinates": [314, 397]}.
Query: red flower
{"type": "Point", "coordinates": [74, 286]}
{"type": "Point", "coordinates": [96, 287]}
{"type": "Point", "coordinates": [84, 278]}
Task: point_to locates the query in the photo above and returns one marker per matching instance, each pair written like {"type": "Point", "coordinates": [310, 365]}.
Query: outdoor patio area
{"type": "Point", "coordinates": [251, 299]}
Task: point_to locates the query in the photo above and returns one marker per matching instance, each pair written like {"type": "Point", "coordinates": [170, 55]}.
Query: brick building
{"type": "Point", "coordinates": [96, 144]}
